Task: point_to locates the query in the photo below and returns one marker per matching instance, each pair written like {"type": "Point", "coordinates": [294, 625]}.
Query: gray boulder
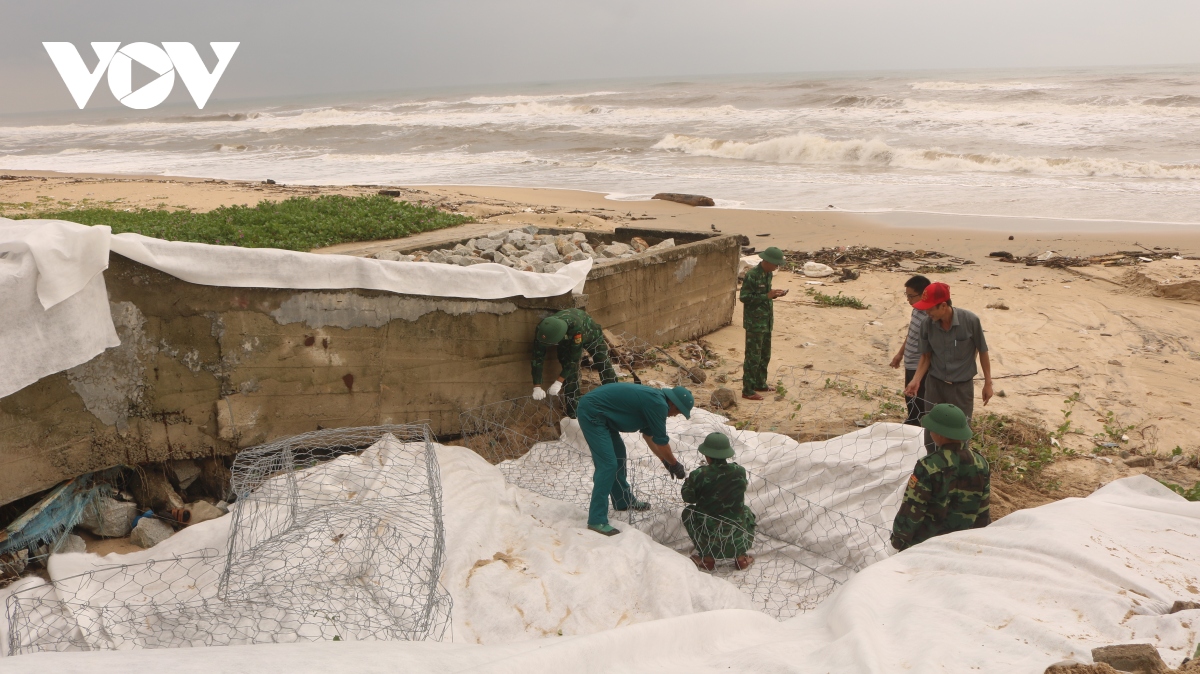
{"type": "Point", "coordinates": [389, 255]}
{"type": "Point", "coordinates": [587, 249]}
{"type": "Point", "coordinates": [108, 518]}
{"type": "Point", "coordinates": [509, 250]}
{"type": "Point", "coordinates": [185, 471]}
{"type": "Point", "coordinates": [488, 244]}
{"type": "Point", "coordinates": [438, 256]}
{"type": "Point", "coordinates": [669, 243]}
{"type": "Point", "coordinates": [578, 238]}
{"type": "Point", "coordinates": [617, 249]}
{"type": "Point", "coordinates": [70, 543]}
{"type": "Point", "coordinates": [149, 532]}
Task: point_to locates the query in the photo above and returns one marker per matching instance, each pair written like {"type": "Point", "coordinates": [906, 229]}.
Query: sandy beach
{"type": "Point", "coordinates": [1099, 332]}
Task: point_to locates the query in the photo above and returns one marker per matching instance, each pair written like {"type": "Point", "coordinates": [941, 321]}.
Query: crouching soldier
{"type": "Point", "coordinates": [949, 489]}
{"type": "Point", "coordinates": [717, 518]}
{"type": "Point", "coordinates": [571, 331]}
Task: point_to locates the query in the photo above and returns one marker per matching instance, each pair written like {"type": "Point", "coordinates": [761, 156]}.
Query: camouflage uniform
{"type": "Point", "coordinates": [758, 318]}
{"type": "Point", "coordinates": [949, 491]}
{"type": "Point", "coordinates": [582, 334]}
{"type": "Point", "coordinates": [717, 518]}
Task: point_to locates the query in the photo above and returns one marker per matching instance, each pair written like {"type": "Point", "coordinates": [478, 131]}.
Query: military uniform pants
{"type": "Point", "coordinates": [608, 459]}
{"type": "Point", "coordinates": [570, 373]}
{"type": "Point", "coordinates": [960, 394]}
{"type": "Point", "coordinates": [758, 356]}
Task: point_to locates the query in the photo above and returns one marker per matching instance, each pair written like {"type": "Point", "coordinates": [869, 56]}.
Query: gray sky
{"type": "Point", "coordinates": [308, 47]}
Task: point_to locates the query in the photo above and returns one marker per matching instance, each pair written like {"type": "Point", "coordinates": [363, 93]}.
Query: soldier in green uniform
{"type": "Point", "coordinates": [758, 318]}
{"type": "Point", "coordinates": [572, 331]}
{"type": "Point", "coordinates": [607, 412]}
{"type": "Point", "coordinates": [949, 489]}
{"type": "Point", "coordinates": [717, 518]}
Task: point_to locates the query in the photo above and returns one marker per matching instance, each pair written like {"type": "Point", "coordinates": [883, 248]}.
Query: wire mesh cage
{"type": "Point", "coordinates": [336, 535]}
{"type": "Point", "coordinates": [822, 479]}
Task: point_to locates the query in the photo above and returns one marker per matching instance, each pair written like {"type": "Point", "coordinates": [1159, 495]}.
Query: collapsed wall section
{"type": "Point", "coordinates": [203, 371]}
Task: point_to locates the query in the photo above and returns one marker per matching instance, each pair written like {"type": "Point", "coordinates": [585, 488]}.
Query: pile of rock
{"type": "Point", "coordinates": [526, 250]}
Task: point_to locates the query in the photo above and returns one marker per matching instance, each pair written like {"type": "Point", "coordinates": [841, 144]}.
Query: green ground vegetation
{"type": "Point", "coordinates": [838, 300]}
{"type": "Point", "coordinates": [1017, 450]}
{"type": "Point", "coordinates": [1192, 494]}
{"type": "Point", "coordinates": [299, 223]}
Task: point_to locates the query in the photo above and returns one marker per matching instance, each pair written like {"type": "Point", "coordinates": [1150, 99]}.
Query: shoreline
{"type": "Point", "coordinates": [1095, 335]}
{"type": "Point", "coordinates": [973, 236]}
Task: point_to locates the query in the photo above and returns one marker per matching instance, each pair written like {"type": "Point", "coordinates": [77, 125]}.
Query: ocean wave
{"type": "Point", "coordinates": [852, 101]}
{"type": "Point", "coordinates": [511, 100]}
{"type": "Point", "coordinates": [983, 86]}
{"type": "Point", "coordinates": [877, 153]}
{"type": "Point", "coordinates": [220, 117]}
{"type": "Point", "coordinates": [1179, 101]}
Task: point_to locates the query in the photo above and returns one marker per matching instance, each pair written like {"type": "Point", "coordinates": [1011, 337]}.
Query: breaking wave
{"type": "Point", "coordinates": [982, 86]}
{"type": "Point", "coordinates": [877, 153]}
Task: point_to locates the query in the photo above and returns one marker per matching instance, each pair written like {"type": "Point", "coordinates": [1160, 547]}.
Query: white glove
{"type": "Point", "coordinates": [617, 370]}
{"type": "Point", "coordinates": [555, 388]}
{"type": "Point", "coordinates": [538, 393]}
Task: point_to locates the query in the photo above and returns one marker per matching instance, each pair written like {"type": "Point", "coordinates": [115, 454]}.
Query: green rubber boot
{"type": "Point", "coordinates": [636, 505]}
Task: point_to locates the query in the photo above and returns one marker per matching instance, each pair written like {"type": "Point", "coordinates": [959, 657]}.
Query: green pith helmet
{"type": "Point", "coordinates": [682, 399]}
{"type": "Point", "coordinates": [551, 330]}
{"type": "Point", "coordinates": [717, 446]}
{"type": "Point", "coordinates": [946, 419]}
{"type": "Point", "coordinates": [772, 255]}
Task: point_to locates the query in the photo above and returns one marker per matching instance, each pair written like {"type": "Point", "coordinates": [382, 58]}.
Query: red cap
{"type": "Point", "coordinates": [934, 295]}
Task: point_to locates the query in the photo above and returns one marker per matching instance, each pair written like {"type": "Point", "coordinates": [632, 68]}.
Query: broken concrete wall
{"type": "Point", "coordinates": [680, 293]}
{"type": "Point", "coordinates": [203, 371]}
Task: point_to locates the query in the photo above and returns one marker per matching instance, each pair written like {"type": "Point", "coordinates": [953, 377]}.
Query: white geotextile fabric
{"type": "Point", "coordinates": [518, 566]}
{"type": "Point", "coordinates": [46, 264]}
{"type": "Point", "coordinates": [1036, 587]}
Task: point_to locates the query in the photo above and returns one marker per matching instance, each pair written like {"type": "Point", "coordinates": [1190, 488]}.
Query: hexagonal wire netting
{"type": "Point", "coordinates": [336, 534]}
{"type": "Point", "coordinates": [823, 478]}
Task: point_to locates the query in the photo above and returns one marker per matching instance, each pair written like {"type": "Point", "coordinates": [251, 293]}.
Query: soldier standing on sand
{"type": "Point", "coordinates": [950, 489]}
{"type": "Point", "coordinates": [758, 319]}
{"type": "Point", "coordinates": [572, 331]}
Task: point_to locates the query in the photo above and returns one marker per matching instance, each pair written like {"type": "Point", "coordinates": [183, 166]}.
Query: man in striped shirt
{"type": "Point", "coordinates": [910, 353]}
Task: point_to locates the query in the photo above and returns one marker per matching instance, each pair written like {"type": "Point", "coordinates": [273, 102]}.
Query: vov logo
{"type": "Point", "coordinates": [172, 57]}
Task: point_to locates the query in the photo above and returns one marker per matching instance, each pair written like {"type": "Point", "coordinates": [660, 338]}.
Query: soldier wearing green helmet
{"type": "Point", "coordinates": [717, 518]}
{"type": "Point", "coordinates": [758, 319]}
{"type": "Point", "coordinates": [571, 331]}
{"type": "Point", "coordinates": [950, 489]}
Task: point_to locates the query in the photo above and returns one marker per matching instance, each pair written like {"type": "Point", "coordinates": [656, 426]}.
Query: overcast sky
{"type": "Point", "coordinates": [307, 47]}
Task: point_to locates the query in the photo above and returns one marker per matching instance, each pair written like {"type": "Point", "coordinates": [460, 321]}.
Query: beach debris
{"type": "Point", "coordinates": [686, 199]}
{"type": "Point", "coordinates": [12, 564]}
{"type": "Point", "coordinates": [149, 532]}
{"type": "Point", "coordinates": [849, 274]}
{"type": "Point", "coordinates": [988, 286]}
{"type": "Point", "coordinates": [391, 193]}
{"type": "Point", "coordinates": [1048, 255]}
{"type": "Point", "coordinates": [998, 305]}
{"type": "Point", "coordinates": [1140, 462]}
{"type": "Point", "coordinates": [1000, 253]}
{"type": "Point", "coordinates": [268, 181]}
{"type": "Point", "coordinates": [56, 513]}
{"type": "Point", "coordinates": [1116, 362]}
{"type": "Point", "coordinates": [107, 517]}
{"type": "Point", "coordinates": [766, 234]}
{"type": "Point", "coordinates": [817, 270]}
{"type": "Point", "coordinates": [723, 399]}
{"type": "Point", "coordinates": [1142, 658]}
{"type": "Point", "coordinates": [1010, 237]}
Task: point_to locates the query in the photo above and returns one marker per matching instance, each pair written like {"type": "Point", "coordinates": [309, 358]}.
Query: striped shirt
{"type": "Point", "coordinates": [912, 350]}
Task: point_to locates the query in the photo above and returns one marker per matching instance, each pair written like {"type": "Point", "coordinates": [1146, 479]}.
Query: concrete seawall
{"type": "Point", "coordinates": [204, 371]}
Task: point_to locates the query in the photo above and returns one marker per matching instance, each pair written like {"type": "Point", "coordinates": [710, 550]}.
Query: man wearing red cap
{"type": "Point", "coordinates": [949, 340]}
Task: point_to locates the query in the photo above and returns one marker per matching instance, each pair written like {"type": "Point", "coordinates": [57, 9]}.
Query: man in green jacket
{"type": "Point", "coordinates": [950, 489]}
{"type": "Point", "coordinates": [758, 319]}
{"type": "Point", "coordinates": [571, 332]}
{"type": "Point", "coordinates": [604, 414]}
{"type": "Point", "coordinates": [717, 518]}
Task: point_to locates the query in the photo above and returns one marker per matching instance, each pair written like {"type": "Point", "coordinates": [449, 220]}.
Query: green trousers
{"type": "Point", "coordinates": [758, 356]}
